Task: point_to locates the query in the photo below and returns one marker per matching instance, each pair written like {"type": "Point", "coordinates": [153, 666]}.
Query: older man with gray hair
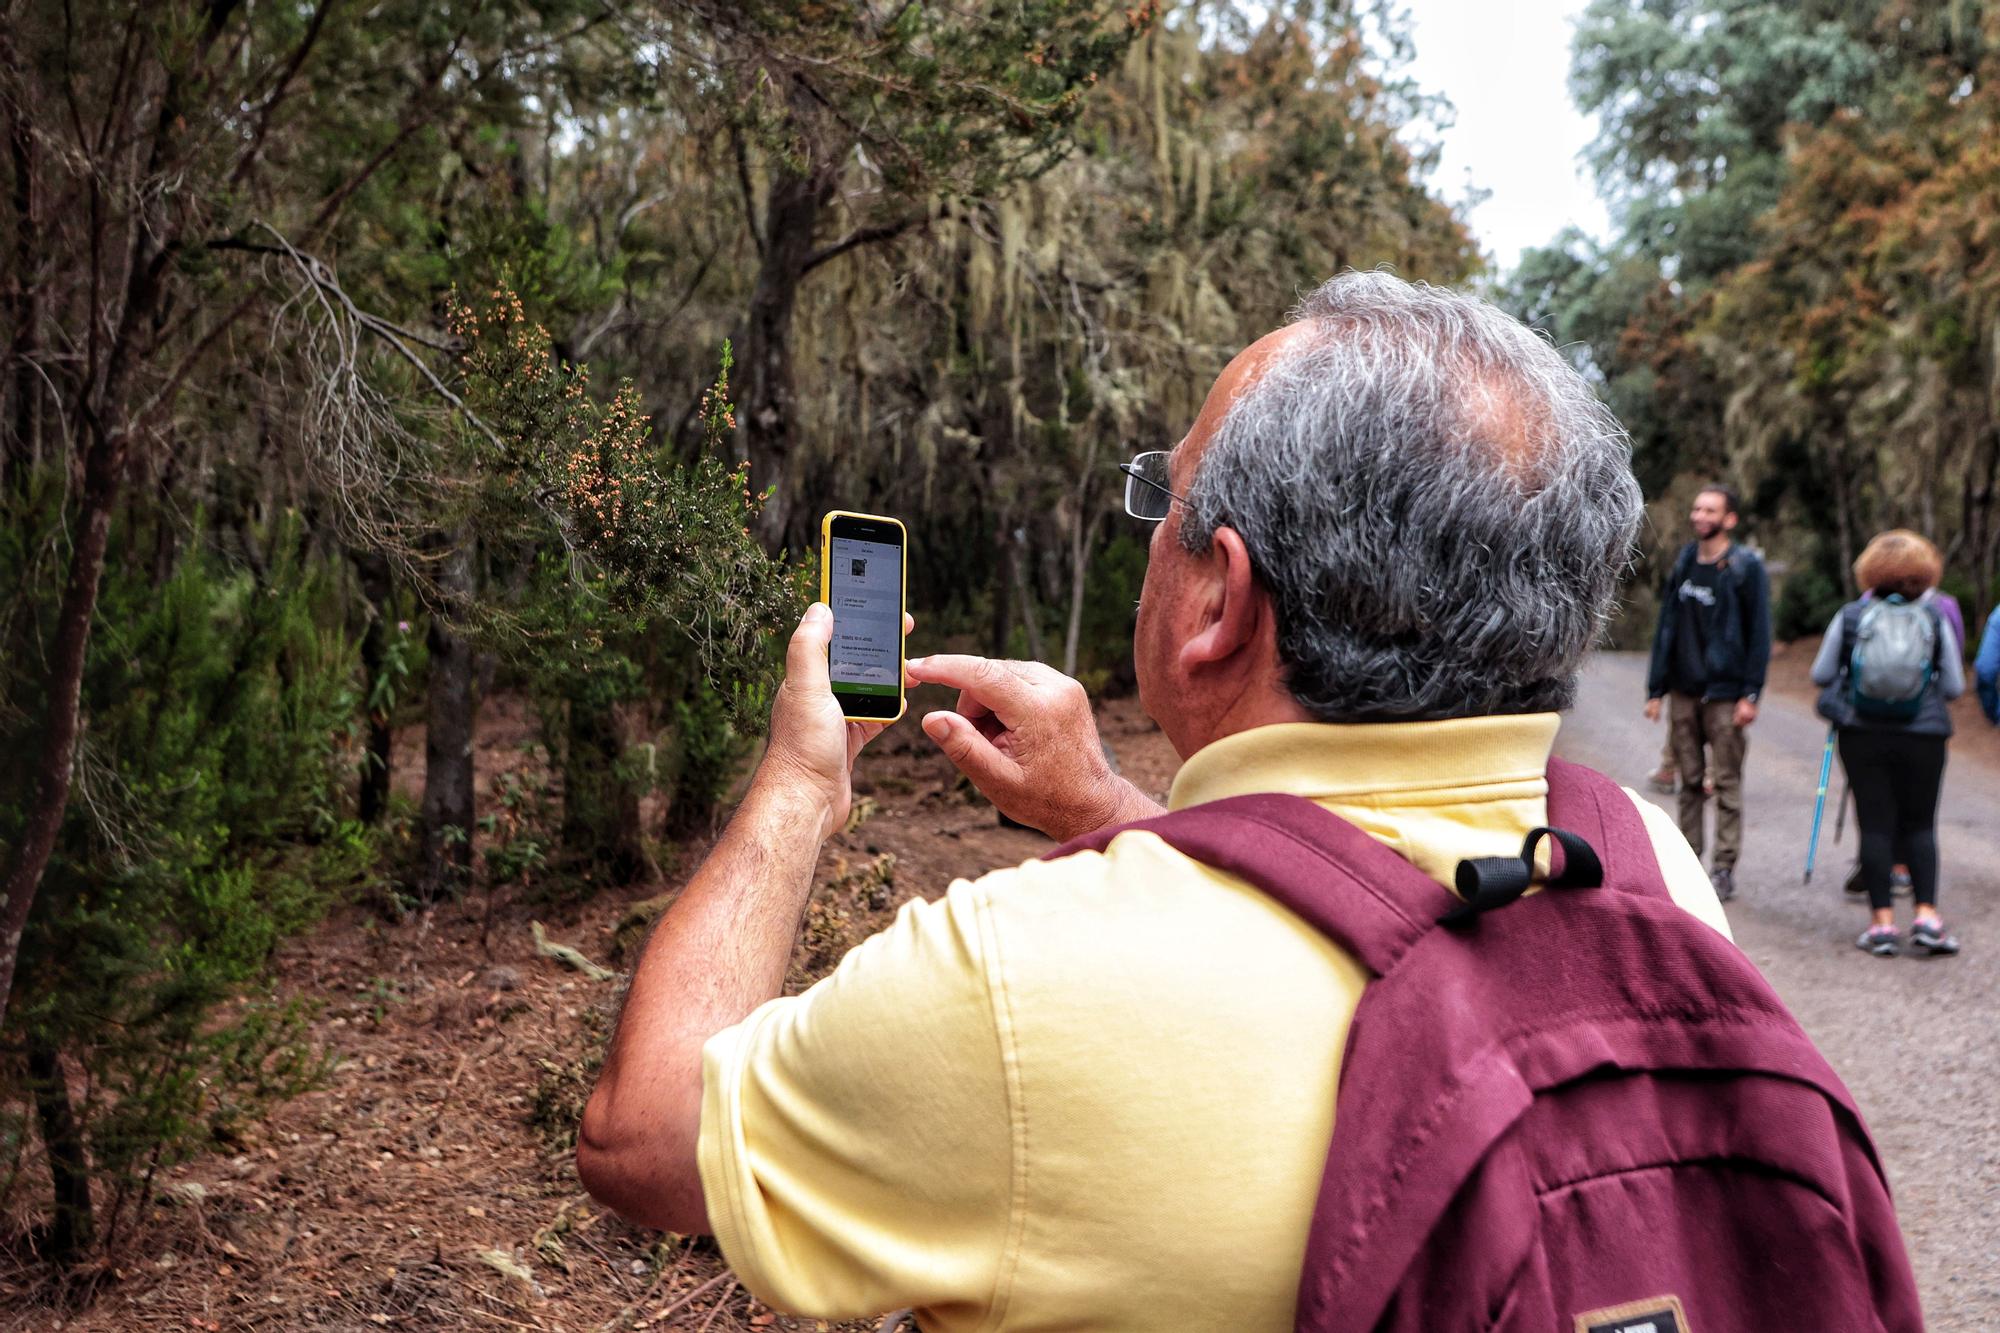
{"type": "Point", "coordinates": [1096, 1091]}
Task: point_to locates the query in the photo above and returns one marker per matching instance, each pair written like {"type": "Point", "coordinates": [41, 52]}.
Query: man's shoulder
{"type": "Point", "coordinates": [1138, 871]}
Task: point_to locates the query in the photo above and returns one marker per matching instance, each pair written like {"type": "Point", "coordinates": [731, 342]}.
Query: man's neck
{"type": "Point", "coordinates": [1250, 708]}
{"type": "Point", "coordinates": [1711, 549]}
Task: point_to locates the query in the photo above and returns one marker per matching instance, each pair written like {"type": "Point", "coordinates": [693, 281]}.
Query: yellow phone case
{"type": "Point", "coordinates": [902, 596]}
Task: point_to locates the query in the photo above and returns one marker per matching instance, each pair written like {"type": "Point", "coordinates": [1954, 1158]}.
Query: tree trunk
{"type": "Point", "coordinates": [1003, 585]}
{"type": "Point", "coordinates": [1031, 614]}
{"type": "Point", "coordinates": [768, 410]}
{"type": "Point", "coordinates": [1843, 514]}
{"type": "Point", "coordinates": [372, 568]}
{"type": "Point", "coordinates": [602, 833]}
{"type": "Point", "coordinates": [450, 713]}
{"type": "Point", "coordinates": [101, 410]}
{"type": "Point", "coordinates": [55, 762]}
{"type": "Point", "coordinates": [1982, 521]}
{"type": "Point", "coordinates": [21, 450]}
{"type": "Point", "coordinates": [1082, 542]}
{"type": "Point", "coordinates": [73, 1226]}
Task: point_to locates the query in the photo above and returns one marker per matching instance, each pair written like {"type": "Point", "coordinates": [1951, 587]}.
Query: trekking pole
{"type": "Point", "coordinates": [1840, 812]}
{"type": "Point", "coordinates": [1819, 803]}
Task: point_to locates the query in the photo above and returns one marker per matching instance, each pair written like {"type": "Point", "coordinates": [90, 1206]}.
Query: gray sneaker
{"type": "Point", "coordinates": [1882, 941]}
{"type": "Point", "coordinates": [1930, 936]}
{"type": "Point", "coordinates": [1724, 880]}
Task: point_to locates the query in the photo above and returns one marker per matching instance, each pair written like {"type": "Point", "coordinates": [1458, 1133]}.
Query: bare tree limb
{"type": "Point", "coordinates": [276, 97]}
{"type": "Point", "coordinates": [397, 337]}
{"type": "Point", "coordinates": [862, 236]}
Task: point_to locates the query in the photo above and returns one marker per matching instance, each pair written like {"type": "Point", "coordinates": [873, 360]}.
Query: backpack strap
{"type": "Point", "coordinates": [1599, 811]}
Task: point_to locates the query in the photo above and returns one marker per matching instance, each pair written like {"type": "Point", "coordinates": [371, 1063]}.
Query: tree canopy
{"type": "Point", "coordinates": [1800, 297]}
{"type": "Point", "coordinates": [362, 368]}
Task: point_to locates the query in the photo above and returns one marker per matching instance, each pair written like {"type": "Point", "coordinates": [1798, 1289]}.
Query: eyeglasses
{"type": "Point", "coordinates": [1147, 495]}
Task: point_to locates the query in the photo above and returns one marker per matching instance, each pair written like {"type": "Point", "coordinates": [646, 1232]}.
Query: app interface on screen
{"type": "Point", "coordinates": [866, 586]}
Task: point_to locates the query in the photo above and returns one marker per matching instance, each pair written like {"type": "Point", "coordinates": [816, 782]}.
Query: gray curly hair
{"type": "Point", "coordinates": [1438, 503]}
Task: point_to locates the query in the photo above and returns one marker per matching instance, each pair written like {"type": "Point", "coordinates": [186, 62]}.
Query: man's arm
{"type": "Point", "coordinates": [720, 951]}
{"type": "Point", "coordinates": [1756, 629]}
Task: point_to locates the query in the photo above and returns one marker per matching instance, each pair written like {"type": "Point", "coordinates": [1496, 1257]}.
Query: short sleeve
{"type": "Point", "coordinates": [856, 1145]}
{"type": "Point", "coordinates": [1680, 867]}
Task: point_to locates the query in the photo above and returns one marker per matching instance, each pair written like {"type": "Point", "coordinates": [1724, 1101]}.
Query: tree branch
{"type": "Point", "coordinates": [414, 119]}
{"type": "Point", "coordinates": [321, 278]}
{"type": "Point", "coordinates": [749, 195]}
{"type": "Point", "coordinates": [860, 237]}
{"type": "Point", "coordinates": [276, 97]}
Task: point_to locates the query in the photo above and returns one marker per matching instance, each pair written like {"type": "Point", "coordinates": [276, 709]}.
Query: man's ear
{"type": "Point", "coordinates": [1232, 603]}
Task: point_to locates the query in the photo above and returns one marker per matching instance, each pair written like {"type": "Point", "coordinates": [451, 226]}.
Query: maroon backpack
{"type": "Point", "coordinates": [1585, 1113]}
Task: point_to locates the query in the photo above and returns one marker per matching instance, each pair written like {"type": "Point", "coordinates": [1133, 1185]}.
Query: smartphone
{"type": "Point", "coordinates": [861, 579]}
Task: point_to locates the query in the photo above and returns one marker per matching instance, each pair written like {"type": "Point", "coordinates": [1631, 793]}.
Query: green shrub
{"type": "Point", "coordinates": [1806, 603]}
{"type": "Point", "coordinates": [1110, 604]}
{"type": "Point", "coordinates": [206, 825]}
{"type": "Point", "coordinates": [647, 633]}
{"type": "Point", "coordinates": [702, 763]}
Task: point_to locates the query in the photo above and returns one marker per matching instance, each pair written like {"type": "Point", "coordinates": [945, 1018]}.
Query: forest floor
{"type": "Point", "coordinates": [430, 1184]}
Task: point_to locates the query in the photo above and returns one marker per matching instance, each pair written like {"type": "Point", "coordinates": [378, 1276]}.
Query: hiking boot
{"type": "Point", "coordinates": [1724, 880]}
{"type": "Point", "coordinates": [1930, 935]}
{"type": "Point", "coordinates": [1899, 882]}
{"type": "Point", "coordinates": [1664, 780]}
{"type": "Point", "coordinates": [1882, 941]}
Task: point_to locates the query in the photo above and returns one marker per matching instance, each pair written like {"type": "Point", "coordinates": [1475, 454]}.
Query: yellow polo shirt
{"type": "Point", "coordinates": [1094, 1093]}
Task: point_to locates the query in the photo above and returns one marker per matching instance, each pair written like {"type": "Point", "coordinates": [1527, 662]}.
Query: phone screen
{"type": "Point", "coordinates": [865, 590]}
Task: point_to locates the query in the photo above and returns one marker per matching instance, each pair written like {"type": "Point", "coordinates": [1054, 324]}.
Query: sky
{"type": "Point", "coordinates": [1505, 66]}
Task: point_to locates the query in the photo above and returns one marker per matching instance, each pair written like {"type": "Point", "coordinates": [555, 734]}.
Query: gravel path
{"type": "Point", "coordinates": [1914, 1038]}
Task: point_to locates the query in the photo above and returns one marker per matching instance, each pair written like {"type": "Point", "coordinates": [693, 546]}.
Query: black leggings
{"type": "Point", "coordinates": [1896, 778]}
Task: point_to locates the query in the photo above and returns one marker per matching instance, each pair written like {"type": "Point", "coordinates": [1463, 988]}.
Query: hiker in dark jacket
{"type": "Point", "coordinates": [1709, 655]}
{"type": "Point", "coordinates": [1894, 750]}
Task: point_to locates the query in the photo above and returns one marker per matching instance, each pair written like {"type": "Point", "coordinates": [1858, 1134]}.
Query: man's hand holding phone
{"type": "Point", "coordinates": [810, 755]}
{"type": "Point", "coordinates": [1023, 733]}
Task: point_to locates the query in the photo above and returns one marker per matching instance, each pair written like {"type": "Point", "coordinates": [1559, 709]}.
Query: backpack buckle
{"type": "Point", "coordinates": [1487, 882]}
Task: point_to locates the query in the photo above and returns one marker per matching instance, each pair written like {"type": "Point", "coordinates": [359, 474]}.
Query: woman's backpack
{"type": "Point", "coordinates": [1582, 1110]}
{"type": "Point", "coordinates": [1892, 654]}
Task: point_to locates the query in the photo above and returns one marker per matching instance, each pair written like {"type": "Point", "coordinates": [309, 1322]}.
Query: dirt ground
{"type": "Point", "coordinates": [423, 1188]}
